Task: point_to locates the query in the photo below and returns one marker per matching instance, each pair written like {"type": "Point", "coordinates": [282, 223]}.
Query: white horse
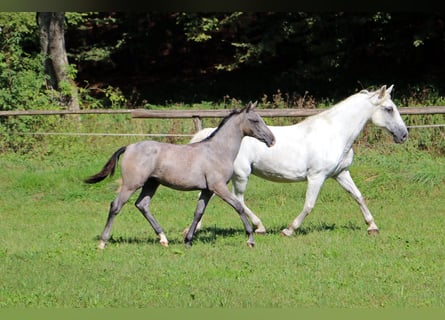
{"type": "Point", "coordinates": [315, 149]}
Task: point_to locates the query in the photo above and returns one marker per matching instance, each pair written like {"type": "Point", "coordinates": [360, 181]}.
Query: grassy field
{"type": "Point", "coordinates": [51, 221]}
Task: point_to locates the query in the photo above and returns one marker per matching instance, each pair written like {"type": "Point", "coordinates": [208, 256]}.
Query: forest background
{"type": "Point", "coordinates": [123, 59]}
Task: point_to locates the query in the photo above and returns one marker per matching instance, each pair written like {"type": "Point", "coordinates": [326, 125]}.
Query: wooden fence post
{"type": "Point", "coordinates": [197, 122]}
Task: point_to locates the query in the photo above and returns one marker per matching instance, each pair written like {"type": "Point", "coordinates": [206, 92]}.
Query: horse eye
{"type": "Point", "coordinates": [389, 109]}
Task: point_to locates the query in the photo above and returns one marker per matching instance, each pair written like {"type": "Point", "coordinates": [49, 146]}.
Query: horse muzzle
{"type": "Point", "coordinates": [400, 136]}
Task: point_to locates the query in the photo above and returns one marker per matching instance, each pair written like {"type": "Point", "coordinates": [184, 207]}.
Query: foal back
{"type": "Point", "coordinates": [181, 167]}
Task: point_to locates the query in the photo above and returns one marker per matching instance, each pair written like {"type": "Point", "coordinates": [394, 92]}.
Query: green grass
{"type": "Point", "coordinates": [51, 221]}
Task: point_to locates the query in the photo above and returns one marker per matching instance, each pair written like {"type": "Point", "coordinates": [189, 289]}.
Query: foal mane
{"type": "Point", "coordinates": [223, 122]}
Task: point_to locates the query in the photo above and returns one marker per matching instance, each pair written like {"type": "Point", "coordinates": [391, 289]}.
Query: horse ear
{"type": "Point", "coordinates": [382, 92]}
{"type": "Point", "coordinates": [388, 91]}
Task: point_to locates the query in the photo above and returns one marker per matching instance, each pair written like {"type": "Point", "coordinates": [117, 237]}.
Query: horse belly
{"type": "Point", "coordinates": [280, 169]}
{"type": "Point", "coordinates": [279, 176]}
{"type": "Point", "coordinates": [282, 162]}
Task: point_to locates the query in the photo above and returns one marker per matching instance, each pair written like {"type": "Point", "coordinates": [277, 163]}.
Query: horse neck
{"type": "Point", "coordinates": [351, 115]}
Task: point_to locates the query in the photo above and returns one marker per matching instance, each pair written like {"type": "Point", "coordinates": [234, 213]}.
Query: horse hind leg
{"type": "Point", "coordinates": [143, 204]}
{"type": "Point", "coordinates": [239, 188]}
{"type": "Point", "coordinates": [115, 208]}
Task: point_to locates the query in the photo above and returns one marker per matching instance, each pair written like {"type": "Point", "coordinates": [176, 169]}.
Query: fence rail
{"type": "Point", "coordinates": [12, 113]}
{"type": "Point", "coordinates": [141, 113]}
{"type": "Point", "coordinates": [197, 115]}
{"type": "Point", "coordinates": [214, 113]}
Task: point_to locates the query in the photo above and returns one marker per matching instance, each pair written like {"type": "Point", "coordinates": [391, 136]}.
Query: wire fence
{"type": "Point", "coordinates": [93, 134]}
{"type": "Point", "coordinates": [195, 115]}
{"type": "Point", "coordinates": [104, 134]}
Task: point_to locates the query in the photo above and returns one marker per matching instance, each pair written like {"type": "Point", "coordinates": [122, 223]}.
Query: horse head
{"type": "Point", "coordinates": [386, 114]}
{"type": "Point", "coordinates": [254, 126]}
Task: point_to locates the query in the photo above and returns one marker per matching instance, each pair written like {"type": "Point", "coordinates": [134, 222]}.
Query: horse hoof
{"type": "Point", "coordinates": [250, 244]}
{"type": "Point", "coordinates": [286, 233]}
{"type": "Point", "coordinates": [373, 232]}
{"type": "Point", "coordinates": [260, 231]}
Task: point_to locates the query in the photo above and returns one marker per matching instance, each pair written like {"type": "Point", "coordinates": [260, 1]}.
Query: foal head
{"type": "Point", "coordinates": [254, 126]}
{"type": "Point", "coordinates": [386, 114]}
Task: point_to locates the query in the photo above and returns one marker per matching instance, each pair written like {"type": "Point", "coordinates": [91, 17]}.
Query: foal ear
{"type": "Point", "coordinates": [251, 105]}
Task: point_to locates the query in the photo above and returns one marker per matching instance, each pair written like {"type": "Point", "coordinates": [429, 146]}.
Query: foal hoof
{"type": "Point", "coordinates": [163, 243]}
{"type": "Point", "coordinates": [101, 245]}
{"type": "Point", "coordinates": [188, 245]}
{"type": "Point", "coordinates": [373, 232]}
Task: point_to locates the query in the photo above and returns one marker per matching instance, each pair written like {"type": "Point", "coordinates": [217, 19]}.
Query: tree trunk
{"type": "Point", "coordinates": [52, 43]}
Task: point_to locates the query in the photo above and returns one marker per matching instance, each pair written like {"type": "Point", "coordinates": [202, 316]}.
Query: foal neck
{"type": "Point", "coordinates": [227, 137]}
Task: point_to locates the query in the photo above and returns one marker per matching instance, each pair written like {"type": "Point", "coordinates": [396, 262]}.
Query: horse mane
{"type": "Point", "coordinates": [337, 105]}
{"type": "Point", "coordinates": [222, 123]}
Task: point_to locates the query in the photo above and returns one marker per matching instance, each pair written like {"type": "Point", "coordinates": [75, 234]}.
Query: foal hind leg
{"type": "Point", "coordinates": [239, 188]}
{"type": "Point", "coordinates": [345, 180]}
{"type": "Point", "coordinates": [199, 225]}
{"type": "Point", "coordinates": [143, 204]}
{"type": "Point", "coordinates": [313, 189]}
{"type": "Point", "coordinates": [115, 207]}
{"type": "Point", "coordinates": [204, 198]}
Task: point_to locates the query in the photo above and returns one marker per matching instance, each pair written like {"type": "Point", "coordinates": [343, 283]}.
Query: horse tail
{"type": "Point", "coordinates": [108, 169]}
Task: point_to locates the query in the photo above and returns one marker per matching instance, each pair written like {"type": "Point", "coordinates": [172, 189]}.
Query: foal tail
{"type": "Point", "coordinates": [108, 169]}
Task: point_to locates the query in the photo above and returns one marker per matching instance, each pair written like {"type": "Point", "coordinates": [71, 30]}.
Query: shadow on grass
{"type": "Point", "coordinates": [210, 234]}
{"type": "Point", "coordinates": [205, 235]}
{"type": "Point", "coordinates": [320, 227]}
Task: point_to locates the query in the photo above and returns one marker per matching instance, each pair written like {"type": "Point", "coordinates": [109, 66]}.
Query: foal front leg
{"type": "Point", "coordinates": [345, 180]}
{"type": "Point", "coordinates": [224, 193]}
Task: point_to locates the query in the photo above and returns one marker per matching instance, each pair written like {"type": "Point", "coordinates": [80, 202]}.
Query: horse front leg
{"type": "Point", "coordinates": [204, 198]}
{"type": "Point", "coordinates": [313, 189]}
{"type": "Point", "coordinates": [224, 193]}
{"type": "Point", "coordinates": [239, 188]}
{"type": "Point", "coordinates": [345, 180]}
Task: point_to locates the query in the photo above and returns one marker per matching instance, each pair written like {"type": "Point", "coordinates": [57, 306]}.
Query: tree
{"type": "Point", "coordinates": [52, 42]}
